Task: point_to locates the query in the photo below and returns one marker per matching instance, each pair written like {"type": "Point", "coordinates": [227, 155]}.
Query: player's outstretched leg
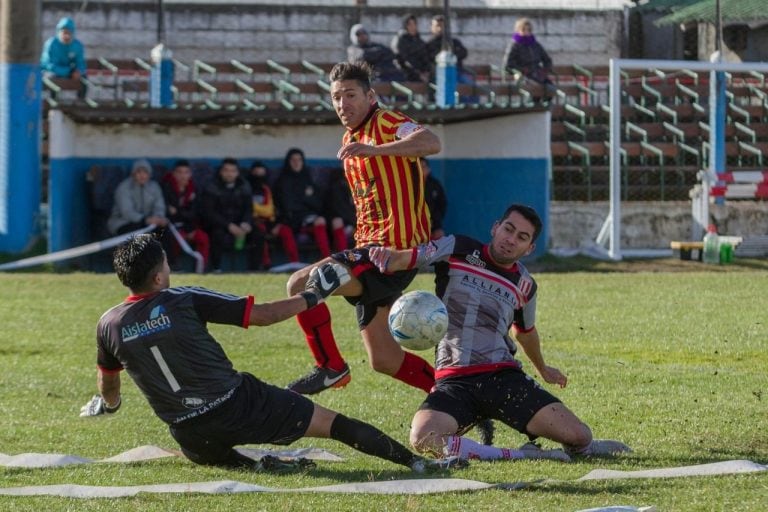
{"type": "Point", "coordinates": [368, 439]}
{"type": "Point", "coordinates": [330, 371]}
{"type": "Point", "coordinates": [465, 448]}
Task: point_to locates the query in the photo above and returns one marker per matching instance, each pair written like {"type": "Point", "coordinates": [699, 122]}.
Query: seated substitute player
{"type": "Point", "coordinates": [487, 292]}
{"type": "Point", "coordinates": [159, 335]}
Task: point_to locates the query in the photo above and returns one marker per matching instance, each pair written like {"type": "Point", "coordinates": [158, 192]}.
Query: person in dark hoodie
{"type": "Point", "coordinates": [63, 55]}
{"type": "Point", "coordinates": [299, 206]}
{"type": "Point", "coordinates": [228, 213]}
{"type": "Point", "coordinates": [411, 51]}
{"type": "Point", "coordinates": [379, 57]}
{"type": "Point", "coordinates": [435, 46]}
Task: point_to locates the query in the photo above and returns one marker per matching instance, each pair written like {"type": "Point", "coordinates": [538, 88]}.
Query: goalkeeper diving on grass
{"type": "Point", "coordinates": [159, 336]}
{"type": "Point", "coordinates": [490, 294]}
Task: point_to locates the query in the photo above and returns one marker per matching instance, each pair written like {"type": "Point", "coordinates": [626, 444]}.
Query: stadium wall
{"type": "Point", "coordinates": [219, 31]}
{"type": "Point", "coordinates": [484, 165]}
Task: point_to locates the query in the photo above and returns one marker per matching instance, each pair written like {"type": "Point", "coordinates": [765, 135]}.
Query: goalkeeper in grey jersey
{"type": "Point", "coordinates": [490, 294]}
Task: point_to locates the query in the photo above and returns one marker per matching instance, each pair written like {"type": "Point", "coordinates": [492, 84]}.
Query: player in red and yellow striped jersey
{"type": "Point", "coordinates": [380, 150]}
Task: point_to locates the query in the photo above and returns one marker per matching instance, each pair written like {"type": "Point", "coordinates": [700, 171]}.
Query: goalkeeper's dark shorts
{"type": "Point", "coordinates": [507, 395]}
{"type": "Point", "coordinates": [257, 413]}
{"type": "Point", "coordinates": [379, 290]}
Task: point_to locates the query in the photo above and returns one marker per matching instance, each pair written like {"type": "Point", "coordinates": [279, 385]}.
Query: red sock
{"type": "Point", "coordinates": [202, 244]}
{"type": "Point", "coordinates": [289, 243]}
{"type": "Point", "coordinates": [316, 324]}
{"type": "Point", "coordinates": [321, 240]}
{"type": "Point", "coordinates": [416, 372]}
{"type": "Point", "coordinates": [339, 239]}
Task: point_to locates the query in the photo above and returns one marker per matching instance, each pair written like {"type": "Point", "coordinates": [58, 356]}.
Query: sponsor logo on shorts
{"type": "Point", "coordinates": [192, 402]}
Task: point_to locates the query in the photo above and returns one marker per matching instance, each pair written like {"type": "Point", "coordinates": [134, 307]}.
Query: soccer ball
{"type": "Point", "coordinates": [418, 320]}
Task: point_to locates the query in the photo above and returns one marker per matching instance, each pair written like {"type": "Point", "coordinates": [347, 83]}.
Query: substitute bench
{"type": "Point", "coordinates": [686, 248]}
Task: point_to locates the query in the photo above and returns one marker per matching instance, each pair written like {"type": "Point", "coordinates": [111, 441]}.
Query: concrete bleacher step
{"type": "Point", "coordinates": [753, 247]}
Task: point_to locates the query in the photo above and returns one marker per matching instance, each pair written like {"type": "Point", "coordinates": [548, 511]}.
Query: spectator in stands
{"type": "Point", "coordinates": [340, 208]}
{"type": "Point", "coordinates": [436, 200]}
{"type": "Point", "coordinates": [299, 206]}
{"type": "Point", "coordinates": [379, 57]}
{"type": "Point", "coordinates": [138, 201]}
{"type": "Point", "coordinates": [228, 213]}
{"type": "Point", "coordinates": [411, 51]}
{"type": "Point", "coordinates": [525, 56]}
{"type": "Point", "coordinates": [63, 55]}
{"type": "Point", "coordinates": [263, 206]}
{"type": "Point", "coordinates": [435, 46]}
{"type": "Point", "coordinates": [183, 206]}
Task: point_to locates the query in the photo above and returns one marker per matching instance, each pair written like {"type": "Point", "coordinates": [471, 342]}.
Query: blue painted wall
{"type": "Point", "coordinates": [20, 88]}
{"type": "Point", "coordinates": [478, 192]}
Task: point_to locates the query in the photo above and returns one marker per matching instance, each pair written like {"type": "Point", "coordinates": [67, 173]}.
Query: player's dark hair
{"type": "Point", "coordinates": [529, 214]}
{"type": "Point", "coordinates": [407, 18]}
{"type": "Point", "coordinates": [229, 160]}
{"type": "Point", "coordinates": [137, 260]}
{"type": "Point", "coordinates": [181, 163]}
{"type": "Point", "coordinates": [359, 71]}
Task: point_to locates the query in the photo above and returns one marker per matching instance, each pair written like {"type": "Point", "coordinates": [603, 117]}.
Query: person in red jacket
{"type": "Point", "coordinates": [182, 204]}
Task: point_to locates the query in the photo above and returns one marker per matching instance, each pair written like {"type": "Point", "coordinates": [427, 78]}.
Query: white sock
{"type": "Point", "coordinates": [466, 448]}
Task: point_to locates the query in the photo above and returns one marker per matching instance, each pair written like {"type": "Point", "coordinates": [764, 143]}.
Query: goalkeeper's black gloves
{"type": "Point", "coordinates": [323, 281]}
{"type": "Point", "coordinates": [96, 406]}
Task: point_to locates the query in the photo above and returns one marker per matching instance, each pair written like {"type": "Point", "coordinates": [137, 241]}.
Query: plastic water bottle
{"type": "Point", "coordinates": [711, 246]}
{"type": "Point", "coordinates": [726, 253]}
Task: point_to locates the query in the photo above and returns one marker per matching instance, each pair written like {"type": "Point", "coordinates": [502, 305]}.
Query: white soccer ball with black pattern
{"type": "Point", "coordinates": [418, 320]}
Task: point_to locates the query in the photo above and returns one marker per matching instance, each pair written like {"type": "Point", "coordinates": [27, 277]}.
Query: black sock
{"type": "Point", "coordinates": [368, 439]}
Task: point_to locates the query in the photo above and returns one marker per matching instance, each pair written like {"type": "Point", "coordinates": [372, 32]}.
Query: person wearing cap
{"type": "Point", "coordinates": [63, 55]}
{"type": "Point", "coordinates": [378, 56]}
{"type": "Point", "coordinates": [138, 201]}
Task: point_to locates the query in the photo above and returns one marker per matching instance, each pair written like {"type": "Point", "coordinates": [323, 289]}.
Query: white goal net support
{"type": "Point", "coordinates": [625, 73]}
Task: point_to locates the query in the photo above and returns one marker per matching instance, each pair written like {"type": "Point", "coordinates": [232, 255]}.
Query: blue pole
{"type": "Point", "coordinates": [446, 79]}
{"type": "Point", "coordinates": [161, 77]}
{"type": "Point", "coordinates": [717, 117]}
{"type": "Point", "coordinates": [20, 90]}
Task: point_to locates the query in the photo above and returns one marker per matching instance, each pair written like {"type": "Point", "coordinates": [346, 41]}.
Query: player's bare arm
{"type": "Point", "coordinates": [422, 142]}
{"type": "Point", "coordinates": [531, 344]}
{"type": "Point", "coordinates": [390, 260]}
{"type": "Point", "coordinates": [109, 387]}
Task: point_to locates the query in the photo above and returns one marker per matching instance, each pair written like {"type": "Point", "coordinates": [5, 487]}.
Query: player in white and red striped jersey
{"type": "Point", "coordinates": [489, 295]}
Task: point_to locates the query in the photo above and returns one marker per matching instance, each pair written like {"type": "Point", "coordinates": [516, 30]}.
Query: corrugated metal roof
{"type": "Point", "coordinates": [732, 11]}
{"type": "Point", "coordinates": [665, 5]}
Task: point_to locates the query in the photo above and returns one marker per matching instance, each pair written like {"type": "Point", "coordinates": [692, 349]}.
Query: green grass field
{"type": "Point", "coordinates": [674, 364]}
